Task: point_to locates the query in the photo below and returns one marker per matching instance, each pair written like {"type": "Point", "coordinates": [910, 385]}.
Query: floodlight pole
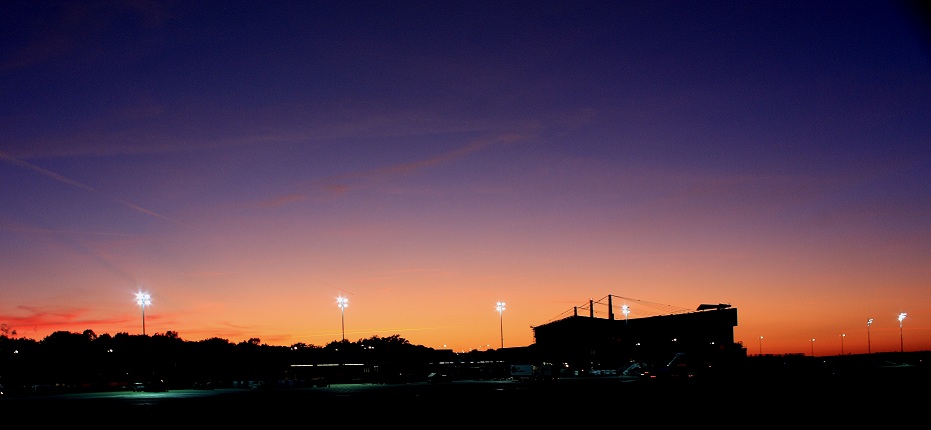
{"type": "Point", "coordinates": [842, 336]}
{"type": "Point", "coordinates": [342, 302]}
{"type": "Point", "coordinates": [500, 308]}
{"type": "Point", "coordinates": [143, 299]}
{"type": "Point", "coordinates": [761, 345]}
{"type": "Point", "coordinates": [901, 339]}
{"type": "Point", "coordinates": [812, 347]}
{"type": "Point", "coordinates": [869, 322]}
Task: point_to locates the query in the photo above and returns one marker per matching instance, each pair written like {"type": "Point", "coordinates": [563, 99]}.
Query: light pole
{"type": "Point", "coordinates": [626, 311]}
{"type": "Point", "coordinates": [342, 302]}
{"type": "Point", "coordinates": [869, 322]}
{"type": "Point", "coordinates": [901, 339]}
{"type": "Point", "coordinates": [812, 347]}
{"type": "Point", "coordinates": [842, 336]}
{"type": "Point", "coordinates": [143, 299]}
{"type": "Point", "coordinates": [500, 308]}
{"type": "Point", "coordinates": [761, 345]}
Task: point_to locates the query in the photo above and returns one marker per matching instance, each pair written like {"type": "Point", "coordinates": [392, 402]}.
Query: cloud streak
{"type": "Point", "coordinates": [89, 188]}
{"type": "Point", "coordinates": [342, 184]}
{"type": "Point", "coordinates": [54, 319]}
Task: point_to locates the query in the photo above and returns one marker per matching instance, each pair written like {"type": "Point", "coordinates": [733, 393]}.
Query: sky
{"type": "Point", "coordinates": [248, 163]}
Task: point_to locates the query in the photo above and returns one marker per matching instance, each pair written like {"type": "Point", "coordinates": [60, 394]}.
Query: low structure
{"type": "Point", "coordinates": [699, 339]}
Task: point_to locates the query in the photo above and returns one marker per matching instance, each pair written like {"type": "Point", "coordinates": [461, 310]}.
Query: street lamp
{"type": "Point", "coordinates": [901, 340]}
{"type": "Point", "coordinates": [626, 311]}
{"type": "Point", "coordinates": [761, 345]}
{"type": "Point", "coordinates": [812, 347]}
{"type": "Point", "coordinates": [500, 308]}
{"type": "Point", "coordinates": [842, 336]}
{"type": "Point", "coordinates": [143, 299]}
{"type": "Point", "coordinates": [342, 302]}
{"type": "Point", "coordinates": [869, 322]}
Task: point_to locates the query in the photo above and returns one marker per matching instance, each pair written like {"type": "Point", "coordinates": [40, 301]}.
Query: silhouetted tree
{"type": "Point", "coordinates": [87, 361]}
{"type": "Point", "coordinates": [6, 331]}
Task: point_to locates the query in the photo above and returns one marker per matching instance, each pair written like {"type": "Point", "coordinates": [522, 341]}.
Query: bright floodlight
{"type": "Point", "coordinates": [500, 308]}
{"type": "Point", "coordinates": [143, 299]}
{"type": "Point", "coordinates": [342, 302]}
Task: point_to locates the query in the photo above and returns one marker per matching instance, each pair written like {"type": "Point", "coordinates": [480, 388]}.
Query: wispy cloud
{"type": "Point", "coordinates": [53, 319]}
{"type": "Point", "coordinates": [39, 230]}
{"type": "Point", "coordinates": [341, 184]}
{"type": "Point", "coordinates": [88, 188]}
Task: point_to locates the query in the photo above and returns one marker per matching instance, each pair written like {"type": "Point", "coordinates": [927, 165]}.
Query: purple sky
{"type": "Point", "coordinates": [248, 162]}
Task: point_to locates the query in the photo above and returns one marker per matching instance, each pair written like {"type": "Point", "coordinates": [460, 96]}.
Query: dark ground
{"type": "Point", "coordinates": [888, 396]}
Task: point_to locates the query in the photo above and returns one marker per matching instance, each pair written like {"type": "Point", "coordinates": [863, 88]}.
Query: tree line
{"type": "Point", "coordinates": [68, 361]}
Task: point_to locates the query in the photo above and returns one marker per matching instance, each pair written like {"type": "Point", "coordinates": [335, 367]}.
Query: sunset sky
{"type": "Point", "coordinates": [247, 163]}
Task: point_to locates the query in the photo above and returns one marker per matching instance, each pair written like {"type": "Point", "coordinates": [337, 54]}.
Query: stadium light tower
{"type": "Point", "coordinates": [869, 322]}
{"type": "Point", "coordinates": [500, 308]}
{"type": "Point", "coordinates": [812, 347]}
{"type": "Point", "coordinates": [842, 336]}
{"type": "Point", "coordinates": [342, 302]}
{"type": "Point", "coordinates": [143, 299]}
{"type": "Point", "coordinates": [626, 311]}
{"type": "Point", "coordinates": [901, 339]}
{"type": "Point", "coordinates": [761, 345]}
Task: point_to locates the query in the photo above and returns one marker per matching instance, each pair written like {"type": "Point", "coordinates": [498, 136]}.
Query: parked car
{"type": "Point", "coordinates": [438, 377]}
{"type": "Point", "coordinates": [151, 386]}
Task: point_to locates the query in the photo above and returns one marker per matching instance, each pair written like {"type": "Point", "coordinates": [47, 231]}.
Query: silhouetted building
{"type": "Point", "coordinates": [703, 338]}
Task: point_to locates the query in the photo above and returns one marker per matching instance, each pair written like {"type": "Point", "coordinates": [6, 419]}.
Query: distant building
{"type": "Point", "coordinates": [701, 338]}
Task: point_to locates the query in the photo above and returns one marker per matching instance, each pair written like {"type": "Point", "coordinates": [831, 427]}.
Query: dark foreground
{"type": "Point", "coordinates": [889, 397]}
